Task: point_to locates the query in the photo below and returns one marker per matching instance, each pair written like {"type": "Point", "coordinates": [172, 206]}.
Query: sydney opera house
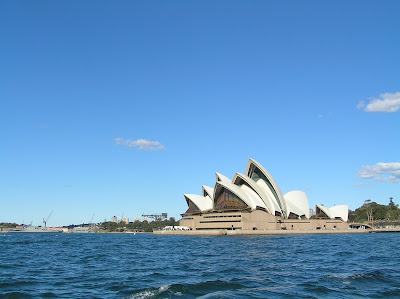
{"type": "Point", "coordinates": [254, 201]}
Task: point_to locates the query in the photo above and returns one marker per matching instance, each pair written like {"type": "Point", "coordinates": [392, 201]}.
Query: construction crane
{"type": "Point", "coordinates": [45, 221]}
{"type": "Point", "coordinates": [91, 223]}
{"type": "Point", "coordinates": [157, 217]}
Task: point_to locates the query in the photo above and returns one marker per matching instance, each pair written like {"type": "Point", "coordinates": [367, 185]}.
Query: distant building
{"type": "Point", "coordinates": [125, 220]}
{"type": "Point", "coordinates": [114, 219]}
{"type": "Point", "coordinates": [80, 229]}
{"type": "Point", "coordinates": [136, 220]}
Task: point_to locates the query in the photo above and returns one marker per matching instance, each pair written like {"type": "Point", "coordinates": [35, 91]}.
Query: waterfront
{"type": "Point", "coordinates": [149, 266]}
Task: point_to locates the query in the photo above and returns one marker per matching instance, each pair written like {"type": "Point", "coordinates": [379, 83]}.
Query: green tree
{"type": "Point", "coordinates": [391, 203]}
{"type": "Point", "coordinates": [369, 209]}
{"type": "Point", "coordinates": [379, 212]}
{"type": "Point", "coordinates": [7, 225]}
{"type": "Point", "coordinates": [109, 226]}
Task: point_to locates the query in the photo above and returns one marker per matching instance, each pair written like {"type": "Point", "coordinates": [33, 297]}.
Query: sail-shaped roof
{"type": "Point", "coordinates": [222, 178]}
{"type": "Point", "coordinates": [257, 172]}
{"type": "Point", "coordinates": [208, 191]}
{"type": "Point", "coordinates": [324, 210]}
{"type": "Point", "coordinates": [268, 199]}
{"type": "Point", "coordinates": [297, 203]}
{"type": "Point", "coordinates": [203, 203]}
{"type": "Point", "coordinates": [340, 211]}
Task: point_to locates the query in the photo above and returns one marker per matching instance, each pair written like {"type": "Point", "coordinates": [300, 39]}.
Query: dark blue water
{"type": "Point", "coordinates": [147, 266]}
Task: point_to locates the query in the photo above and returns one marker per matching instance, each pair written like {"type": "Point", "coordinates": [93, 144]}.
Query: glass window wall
{"type": "Point", "coordinates": [229, 201]}
{"type": "Point", "coordinates": [192, 208]}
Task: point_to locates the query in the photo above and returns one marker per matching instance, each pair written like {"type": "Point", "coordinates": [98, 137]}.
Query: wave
{"type": "Point", "coordinates": [186, 290]}
{"type": "Point", "coordinates": [17, 295]}
{"type": "Point", "coordinates": [374, 275]}
{"type": "Point", "coordinates": [113, 266]}
{"type": "Point", "coordinates": [15, 284]}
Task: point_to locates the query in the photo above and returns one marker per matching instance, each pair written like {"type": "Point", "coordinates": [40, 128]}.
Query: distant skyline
{"type": "Point", "coordinates": [112, 108]}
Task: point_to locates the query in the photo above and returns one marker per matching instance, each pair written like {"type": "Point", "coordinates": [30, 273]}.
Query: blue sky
{"type": "Point", "coordinates": [111, 107]}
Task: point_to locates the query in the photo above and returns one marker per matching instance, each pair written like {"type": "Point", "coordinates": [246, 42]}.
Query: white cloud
{"type": "Point", "coordinates": [387, 102]}
{"type": "Point", "coordinates": [142, 144]}
{"type": "Point", "coordinates": [381, 172]}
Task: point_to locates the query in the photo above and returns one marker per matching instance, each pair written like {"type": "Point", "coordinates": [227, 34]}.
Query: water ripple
{"type": "Point", "coordinates": [147, 266]}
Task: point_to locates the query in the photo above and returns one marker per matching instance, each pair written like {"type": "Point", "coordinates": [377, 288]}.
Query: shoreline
{"type": "Point", "coordinates": [227, 232]}
{"type": "Point", "coordinates": [222, 232]}
{"type": "Point", "coordinates": [76, 233]}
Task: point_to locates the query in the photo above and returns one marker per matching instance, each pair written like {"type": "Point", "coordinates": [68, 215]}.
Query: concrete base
{"type": "Point", "coordinates": [258, 220]}
{"type": "Point", "coordinates": [211, 232]}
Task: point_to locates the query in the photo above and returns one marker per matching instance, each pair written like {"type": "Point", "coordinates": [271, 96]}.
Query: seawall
{"type": "Point", "coordinates": [262, 232]}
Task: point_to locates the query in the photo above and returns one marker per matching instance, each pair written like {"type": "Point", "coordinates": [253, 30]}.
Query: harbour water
{"type": "Point", "coordinates": [149, 266]}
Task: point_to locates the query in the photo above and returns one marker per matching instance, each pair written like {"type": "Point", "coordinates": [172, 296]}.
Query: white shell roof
{"type": "Point", "coordinates": [261, 192]}
{"type": "Point", "coordinates": [246, 194]}
{"type": "Point", "coordinates": [274, 204]}
{"type": "Point", "coordinates": [341, 211]}
{"type": "Point", "coordinates": [203, 203]}
{"type": "Point", "coordinates": [297, 203]}
{"type": "Point", "coordinates": [222, 178]}
{"type": "Point", "coordinates": [208, 191]}
{"type": "Point", "coordinates": [325, 210]}
{"type": "Point", "coordinates": [257, 201]}
{"type": "Point", "coordinates": [271, 180]}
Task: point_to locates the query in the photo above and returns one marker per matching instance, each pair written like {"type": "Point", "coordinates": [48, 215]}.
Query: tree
{"type": "Point", "coordinates": [391, 203]}
{"type": "Point", "coordinates": [109, 226]}
{"type": "Point", "coordinates": [7, 225]}
{"type": "Point", "coordinates": [368, 205]}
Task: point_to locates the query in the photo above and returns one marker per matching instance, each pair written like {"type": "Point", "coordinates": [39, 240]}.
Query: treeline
{"type": "Point", "coordinates": [390, 212]}
{"type": "Point", "coordinates": [7, 225]}
{"type": "Point", "coordinates": [139, 226]}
